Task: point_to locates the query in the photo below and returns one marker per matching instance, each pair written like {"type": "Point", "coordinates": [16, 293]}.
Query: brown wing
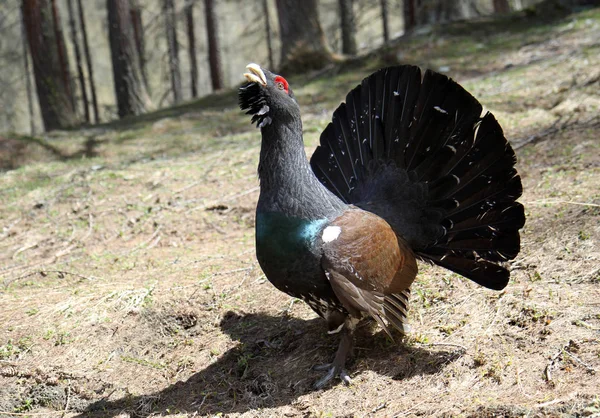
{"type": "Point", "coordinates": [368, 266]}
{"type": "Point", "coordinates": [357, 300]}
{"type": "Point", "coordinates": [395, 308]}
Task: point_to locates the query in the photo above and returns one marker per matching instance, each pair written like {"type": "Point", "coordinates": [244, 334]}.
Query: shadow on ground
{"type": "Point", "coordinates": [271, 367]}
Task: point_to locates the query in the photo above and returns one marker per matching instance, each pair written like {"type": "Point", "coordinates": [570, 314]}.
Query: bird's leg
{"type": "Point", "coordinates": [336, 368]}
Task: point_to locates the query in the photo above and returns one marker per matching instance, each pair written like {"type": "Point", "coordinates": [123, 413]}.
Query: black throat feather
{"type": "Point", "coordinates": [252, 99]}
{"type": "Point", "coordinates": [287, 182]}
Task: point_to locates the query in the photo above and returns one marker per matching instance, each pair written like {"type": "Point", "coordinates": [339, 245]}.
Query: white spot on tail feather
{"type": "Point", "coordinates": [331, 233]}
{"type": "Point", "coordinates": [439, 109]}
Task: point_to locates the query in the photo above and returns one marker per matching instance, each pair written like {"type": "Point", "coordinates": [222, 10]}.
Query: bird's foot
{"type": "Point", "coordinates": [332, 370]}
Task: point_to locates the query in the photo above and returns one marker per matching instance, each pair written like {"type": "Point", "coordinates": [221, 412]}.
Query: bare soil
{"type": "Point", "coordinates": [129, 285]}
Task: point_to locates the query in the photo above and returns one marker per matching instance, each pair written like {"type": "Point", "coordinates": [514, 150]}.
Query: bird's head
{"type": "Point", "coordinates": [267, 97]}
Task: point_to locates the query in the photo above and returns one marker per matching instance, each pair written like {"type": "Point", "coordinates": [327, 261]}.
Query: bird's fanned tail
{"type": "Point", "coordinates": [417, 151]}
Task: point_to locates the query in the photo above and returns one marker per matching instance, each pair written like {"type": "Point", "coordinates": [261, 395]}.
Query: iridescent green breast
{"type": "Point", "coordinates": [281, 236]}
{"type": "Point", "coordinates": [289, 252]}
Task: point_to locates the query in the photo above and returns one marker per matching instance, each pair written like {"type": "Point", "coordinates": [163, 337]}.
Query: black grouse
{"type": "Point", "coordinates": [409, 168]}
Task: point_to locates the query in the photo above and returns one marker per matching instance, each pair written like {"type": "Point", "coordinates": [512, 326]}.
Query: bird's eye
{"type": "Point", "coordinates": [282, 84]}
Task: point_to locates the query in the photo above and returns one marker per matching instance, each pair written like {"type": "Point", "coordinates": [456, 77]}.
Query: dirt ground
{"type": "Point", "coordinates": [129, 284]}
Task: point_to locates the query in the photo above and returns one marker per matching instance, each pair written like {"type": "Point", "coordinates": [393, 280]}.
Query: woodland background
{"type": "Point", "coordinates": [167, 36]}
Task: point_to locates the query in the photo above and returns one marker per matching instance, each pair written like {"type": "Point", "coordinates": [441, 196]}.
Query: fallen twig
{"type": "Point", "coordinates": [90, 227]}
{"type": "Point", "coordinates": [24, 248]}
{"type": "Point", "coordinates": [147, 242]}
{"type": "Point", "coordinates": [462, 347]}
{"type": "Point", "coordinates": [67, 401]}
{"type": "Point", "coordinates": [222, 273]}
{"type": "Point", "coordinates": [189, 186]}
{"type": "Point", "coordinates": [28, 414]}
{"type": "Point", "coordinates": [409, 410]}
{"type": "Point", "coordinates": [591, 275]}
{"type": "Point", "coordinates": [45, 273]}
{"type": "Point", "coordinates": [215, 227]}
{"type": "Point", "coordinates": [555, 401]}
{"type": "Point", "coordinates": [589, 122]}
{"type": "Point", "coordinates": [554, 128]}
{"type": "Point", "coordinates": [225, 199]}
{"type": "Point", "coordinates": [199, 407]}
{"type": "Point", "coordinates": [7, 229]}
{"type": "Point", "coordinates": [551, 363]}
{"type": "Point", "coordinates": [379, 407]}
{"type": "Point", "coordinates": [582, 323]}
{"type": "Point", "coordinates": [589, 368]}
{"type": "Point", "coordinates": [218, 273]}
{"type": "Point", "coordinates": [565, 350]}
{"type": "Point", "coordinates": [559, 202]}
{"type": "Point", "coordinates": [287, 310]}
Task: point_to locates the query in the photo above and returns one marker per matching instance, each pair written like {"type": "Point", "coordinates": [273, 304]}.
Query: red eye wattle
{"type": "Point", "coordinates": [282, 84]}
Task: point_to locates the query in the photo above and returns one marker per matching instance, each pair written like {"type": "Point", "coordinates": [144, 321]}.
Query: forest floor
{"type": "Point", "coordinates": [129, 284]}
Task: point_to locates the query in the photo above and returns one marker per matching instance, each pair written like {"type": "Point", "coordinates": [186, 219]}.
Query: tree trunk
{"type": "Point", "coordinates": [265, 5]}
{"type": "Point", "coordinates": [436, 11]}
{"type": "Point", "coordinates": [191, 35]}
{"type": "Point", "coordinates": [62, 54]}
{"type": "Point", "coordinates": [348, 27]}
{"type": "Point", "coordinates": [172, 48]}
{"type": "Point", "coordinates": [88, 60]}
{"type": "Point", "coordinates": [130, 92]}
{"type": "Point", "coordinates": [84, 97]}
{"type": "Point", "coordinates": [410, 15]}
{"type": "Point", "coordinates": [453, 10]}
{"type": "Point", "coordinates": [303, 45]}
{"type": "Point", "coordinates": [384, 20]}
{"type": "Point", "coordinates": [50, 64]}
{"type": "Point", "coordinates": [212, 33]}
{"type": "Point", "coordinates": [135, 12]}
{"type": "Point", "coordinates": [501, 6]}
{"type": "Point", "coordinates": [27, 77]}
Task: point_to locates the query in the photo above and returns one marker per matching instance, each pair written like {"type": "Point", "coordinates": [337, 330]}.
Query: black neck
{"type": "Point", "coordinates": [287, 182]}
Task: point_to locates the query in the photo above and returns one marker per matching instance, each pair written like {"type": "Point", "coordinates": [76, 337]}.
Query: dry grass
{"type": "Point", "coordinates": [129, 286]}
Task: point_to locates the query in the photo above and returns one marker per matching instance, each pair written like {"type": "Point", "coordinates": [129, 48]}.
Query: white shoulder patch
{"type": "Point", "coordinates": [331, 233]}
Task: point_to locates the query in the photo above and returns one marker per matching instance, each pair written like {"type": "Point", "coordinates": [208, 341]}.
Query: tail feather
{"type": "Point", "coordinates": [509, 218]}
{"type": "Point", "coordinates": [337, 173]}
{"type": "Point", "coordinates": [505, 190]}
{"type": "Point", "coordinates": [497, 248]}
{"type": "Point", "coordinates": [328, 179]}
{"type": "Point", "coordinates": [395, 308]}
{"type": "Point", "coordinates": [401, 98]}
{"type": "Point", "coordinates": [432, 117]}
{"type": "Point", "coordinates": [418, 152]}
{"type": "Point", "coordinates": [345, 144]}
{"type": "Point", "coordinates": [357, 129]}
{"type": "Point", "coordinates": [448, 112]}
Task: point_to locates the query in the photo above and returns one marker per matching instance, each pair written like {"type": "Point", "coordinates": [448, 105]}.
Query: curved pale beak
{"type": "Point", "coordinates": [256, 74]}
